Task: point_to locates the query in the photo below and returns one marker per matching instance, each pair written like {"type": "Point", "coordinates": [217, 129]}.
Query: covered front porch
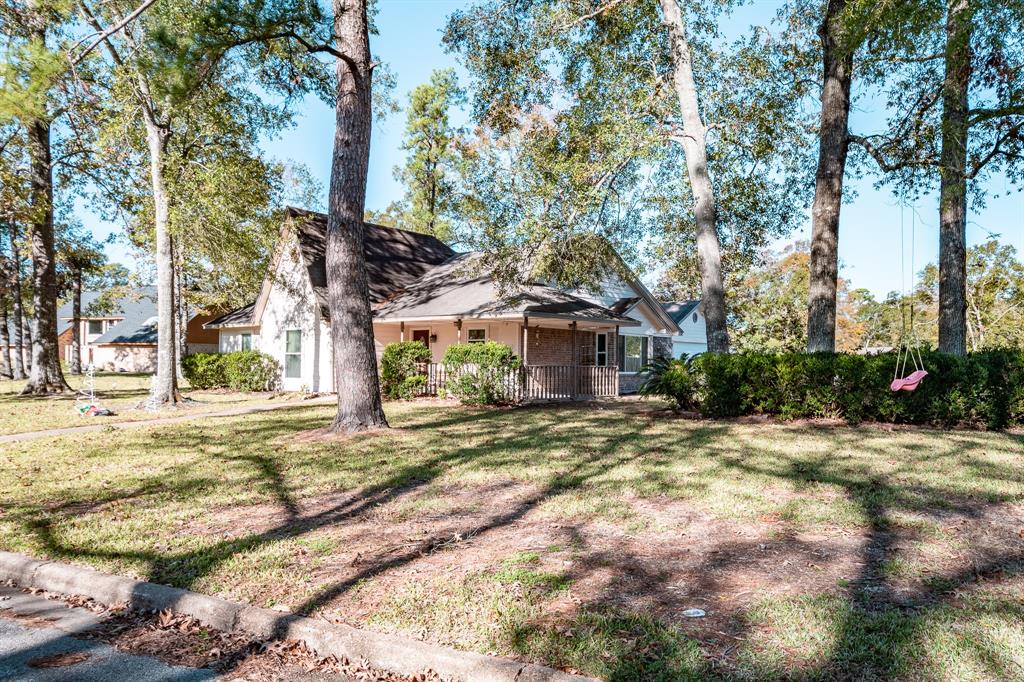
{"type": "Point", "coordinates": [563, 359]}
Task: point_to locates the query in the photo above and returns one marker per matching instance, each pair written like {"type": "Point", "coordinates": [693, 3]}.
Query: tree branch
{"type": "Point", "coordinates": [996, 150]}
{"type": "Point", "coordinates": [111, 30]}
{"type": "Point", "coordinates": [590, 15]}
{"type": "Point", "coordinates": [879, 156]}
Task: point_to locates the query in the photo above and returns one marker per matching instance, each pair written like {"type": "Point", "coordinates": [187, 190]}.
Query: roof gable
{"type": "Point", "coordinates": [395, 259]}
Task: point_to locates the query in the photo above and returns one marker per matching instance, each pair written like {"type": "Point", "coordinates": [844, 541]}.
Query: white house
{"type": "Point", "coordinates": [420, 289]}
{"type": "Point", "coordinates": [693, 332]}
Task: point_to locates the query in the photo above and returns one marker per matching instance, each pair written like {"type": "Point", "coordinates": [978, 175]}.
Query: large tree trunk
{"type": "Point", "coordinates": [833, 144]}
{"type": "Point", "coordinates": [45, 376]}
{"type": "Point", "coordinates": [6, 368]}
{"type": "Point", "coordinates": [953, 182]}
{"type": "Point", "coordinates": [694, 142]}
{"type": "Point", "coordinates": [355, 361]}
{"type": "Point", "coordinates": [165, 387]}
{"type": "Point", "coordinates": [17, 308]}
{"type": "Point", "coordinates": [76, 323]}
{"type": "Point", "coordinates": [180, 312]}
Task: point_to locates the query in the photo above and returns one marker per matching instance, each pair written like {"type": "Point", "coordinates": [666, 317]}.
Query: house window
{"type": "Point", "coordinates": [695, 317]}
{"type": "Point", "coordinates": [293, 354]}
{"type": "Point", "coordinates": [246, 341]}
{"type": "Point", "coordinates": [632, 353]}
{"type": "Point", "coordinates": [95, 326]}
{"type": "Point", "coordinates": [601, 354]}
{"type": "Point", "coordinates": [477, 335]}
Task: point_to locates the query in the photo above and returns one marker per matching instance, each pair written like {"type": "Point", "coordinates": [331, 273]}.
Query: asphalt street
{"type": "Point", "coordinates": [37, 645]}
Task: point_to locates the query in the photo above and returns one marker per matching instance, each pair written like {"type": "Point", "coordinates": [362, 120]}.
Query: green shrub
{"type": "Point", "coordinates": [204, 370]}
{"type": "Point", "coordinates": [251, 370]}
{"type": "Point", "coordinates": [400, 375]}
{"type": "Point", "coordinates": [671, 379]}
{"type": "Point", "coordinates": [246, 370]}
{"type": "Point", "coordinates": [981, 389]}
{"type": "Point", "coordinates": [482, 373]}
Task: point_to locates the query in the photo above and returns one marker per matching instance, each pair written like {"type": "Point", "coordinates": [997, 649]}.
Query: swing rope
{"type": "Point", "coordinates": [909, 346]}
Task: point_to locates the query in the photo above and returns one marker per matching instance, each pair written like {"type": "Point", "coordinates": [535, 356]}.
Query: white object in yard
{"type": "Point", "coordinates": [694, 613]}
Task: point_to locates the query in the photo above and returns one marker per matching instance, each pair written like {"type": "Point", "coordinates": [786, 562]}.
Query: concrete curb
{"type": "Point", "coordinates": [391, 652]}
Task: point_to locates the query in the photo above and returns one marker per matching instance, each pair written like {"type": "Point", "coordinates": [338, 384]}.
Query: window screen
{"type": "Point", "coordinates": [293, 354]}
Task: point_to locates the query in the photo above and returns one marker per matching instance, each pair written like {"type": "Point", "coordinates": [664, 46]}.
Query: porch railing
{"type": "Point", "coordinates": [536, 382]}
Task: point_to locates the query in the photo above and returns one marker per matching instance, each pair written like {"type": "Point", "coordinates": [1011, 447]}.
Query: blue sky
{"type": "Point", "coordinates": [410, 42]}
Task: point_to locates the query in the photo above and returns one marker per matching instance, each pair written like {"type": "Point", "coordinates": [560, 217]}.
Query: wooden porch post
{"type": "Point", "coordinates": [526, 337]}
{"type": "Point", "coordinates": [575, 363]}
{"type": "Point", "coordinates": [401, 331]}
{"type": "Point", "coordinates": [616, 365]}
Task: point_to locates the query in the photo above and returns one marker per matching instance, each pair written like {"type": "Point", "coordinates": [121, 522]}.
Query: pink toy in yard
{"type": "Point", "coordinates": [908, 383]}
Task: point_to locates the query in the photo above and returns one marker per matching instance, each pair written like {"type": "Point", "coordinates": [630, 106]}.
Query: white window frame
{"type": "Point", "coordinates": [469, 333]}
{"type": "Point", "coordinates": [598, 361]}
{"type": "Point", "coordinates": [625, 342]}
{"type": "Point", "coordinates": [287, 354]}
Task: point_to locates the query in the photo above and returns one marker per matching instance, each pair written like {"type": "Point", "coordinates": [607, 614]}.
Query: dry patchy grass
{"type": "Point", "coordinates": [572, 535]}
{"type": "Point", "coordinates": [121, 393]}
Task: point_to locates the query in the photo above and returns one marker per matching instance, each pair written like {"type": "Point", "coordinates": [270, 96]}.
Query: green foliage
{"type": "Point", "coordinates": [246, 370]}
{"type": "Point", "coordinates": [400, 376]}
{"type": "Point", "coordinates": [431, 144]}
{"type": "Point", "coordinates": [481, 373]}
{"type": "Point", "coordinates": [981, 389]}
{"type": "Point", "coordinates": [580, 136]}
{"type": "Point", "coordinates": [672, 379]}
{"type": "Point", "coordinates": [250, 370]}
{"type": "Point", "coordinates": [205, 370]}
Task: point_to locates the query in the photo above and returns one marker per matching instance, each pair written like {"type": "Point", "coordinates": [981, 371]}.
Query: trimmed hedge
{"type": "Point", "coordinates": [481, 373]}
{"type": "Point", "coordinates": [399, 369]}
{"type": "Point", "coordinates": [981, 389]}
{"type": "Point", "coordinates": [245, 370]}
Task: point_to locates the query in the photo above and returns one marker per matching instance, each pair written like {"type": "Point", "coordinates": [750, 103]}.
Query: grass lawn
{"type": "Point", "coordinates": [121, 393]}
{"type": "Point", "coordinates": [576, 536]}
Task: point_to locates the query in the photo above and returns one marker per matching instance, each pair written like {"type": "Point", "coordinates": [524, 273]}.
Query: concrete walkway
{"type": "Point", "coordinates": [160, 421]}
{"type": "Point", "coordinates": [44, 648]}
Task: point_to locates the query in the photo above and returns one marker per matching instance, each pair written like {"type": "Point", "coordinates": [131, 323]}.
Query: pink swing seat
{"type": "Point", "coordinates": [910, 382]}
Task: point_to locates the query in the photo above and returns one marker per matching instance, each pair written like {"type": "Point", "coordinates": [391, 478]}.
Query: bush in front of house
{"type": "Point", "coordinates": [400, 375]}
{"type": "Point", "coordinates": [204, 370]}
{"type": "Point", "coordinates": [672, 379]}
{"type": "Point", "coordinates": [980, 389]}
{"type": "Point", "coordinates": [245, 370]}
{"type": "Point", "coordinates": [251, 370]}
{"type": "Point", "coordinates": [482, 373]}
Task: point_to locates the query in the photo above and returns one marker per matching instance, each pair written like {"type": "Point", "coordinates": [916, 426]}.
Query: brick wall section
{"type": "Point", "coordinates": [548, 346]}
{"type": "Point", "coordinates": [661, 347]}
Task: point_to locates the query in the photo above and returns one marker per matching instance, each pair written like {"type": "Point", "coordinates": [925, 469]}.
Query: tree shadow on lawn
{"type": "Point", "coordinates": [875, 629]}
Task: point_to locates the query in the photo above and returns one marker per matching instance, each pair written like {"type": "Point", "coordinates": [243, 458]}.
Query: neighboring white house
{"type": "Point", "coordinates": [693, 333]}
{"type": "Point", "coordinates": [420, 289]}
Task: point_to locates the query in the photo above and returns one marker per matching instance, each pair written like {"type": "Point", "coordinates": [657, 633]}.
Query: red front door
{"type": "Point", "coordinates": [421, 335]}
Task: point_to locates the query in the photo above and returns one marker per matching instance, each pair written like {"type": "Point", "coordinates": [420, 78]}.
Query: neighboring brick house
{"type": "Point", "coordinates": [118, 334]}
{"type": "Point", "coordinates": [422, 290]}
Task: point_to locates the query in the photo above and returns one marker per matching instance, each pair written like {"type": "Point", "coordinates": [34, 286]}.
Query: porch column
{"type": "Point", "coordinates": [458, 327]}
{"type": "Point", "coordinates": [525, 340]}
{"type": "Point", "coordinates": [401, 331]}
{"type": "Point", "coordinates": [575, 372]}
{"type": "Point", "coordinates": [616, 360]}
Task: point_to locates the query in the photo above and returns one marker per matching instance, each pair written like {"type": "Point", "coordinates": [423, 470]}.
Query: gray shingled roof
{"type": "Point", "coordinates": [395, 259]}
{"type": "Point", "coordinates": [138, 306]}
{"type": "Point", "coordinates": [678, 310]}
{"type": "Point", "coordinates": [239, 317]}
{"type": "Point", "coordinates": [456, 289]}
{"type": "Point", "coordinates": [90, 299]}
